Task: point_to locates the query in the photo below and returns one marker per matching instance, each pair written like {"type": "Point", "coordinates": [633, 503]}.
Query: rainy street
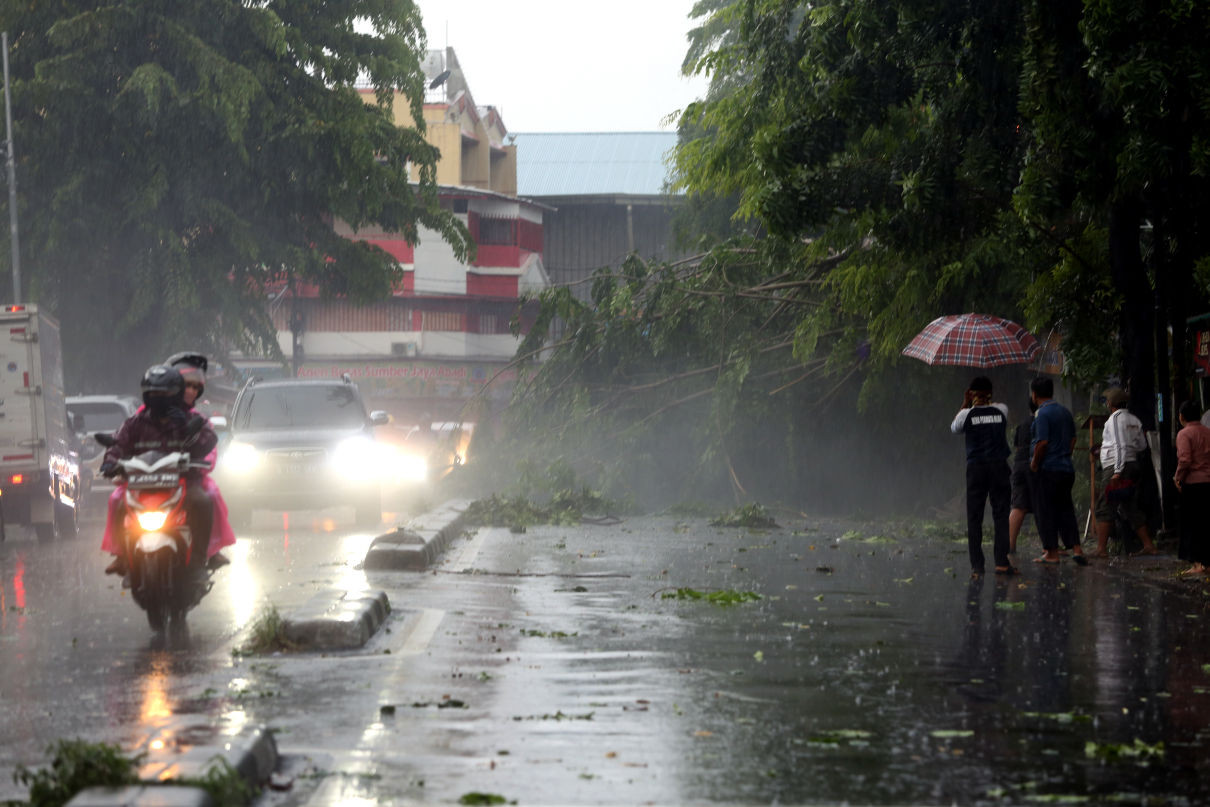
{"type": "Point", "coordinates": [576, 665]}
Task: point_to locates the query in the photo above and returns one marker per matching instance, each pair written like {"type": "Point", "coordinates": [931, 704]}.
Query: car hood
{"type": "Point", "coordinates": [269, 439]}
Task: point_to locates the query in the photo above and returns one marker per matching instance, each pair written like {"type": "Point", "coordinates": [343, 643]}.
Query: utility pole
{"type": "Point", "coordinates": [12, 176]}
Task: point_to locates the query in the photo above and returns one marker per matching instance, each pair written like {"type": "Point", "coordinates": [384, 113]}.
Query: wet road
{"type": "Point", "coordinates": [551, 667]}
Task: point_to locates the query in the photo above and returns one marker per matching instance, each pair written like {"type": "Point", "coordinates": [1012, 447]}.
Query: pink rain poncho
{"type": "Point", "coordinates": [221, 534]}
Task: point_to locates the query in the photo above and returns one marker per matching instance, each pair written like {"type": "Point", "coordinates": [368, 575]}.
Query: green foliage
{"type": "Point", "coordinates": [722, 597]}
{"type": "Point", "coordinates": [268, 634]}
{"type": "Point", "coordinates": [748, 515]}
{"type": "Point", "coordinates": [77, 765]}
{"type": "Point", "coordinates": [176, 158]}
{"type": "Point", "coordinates": [567, 506]}
{"type": "Point", "coordinates": [223, 782]}
{"type": "Point", "coordinates": [475, 797]}
{"type": "Point", "coordinates": [1139, 751]}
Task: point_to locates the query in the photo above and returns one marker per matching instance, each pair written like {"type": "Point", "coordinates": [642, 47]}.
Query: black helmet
{"type": "Point", "coordinates": [192, 366]}
{"type": "Point", "coordinates": [162, 387]}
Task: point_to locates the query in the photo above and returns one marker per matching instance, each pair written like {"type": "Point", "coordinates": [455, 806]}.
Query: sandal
{"type": "Point", "coordinates": [1047, 561]}
{"type": "Point", "coordinates": [1007, 570]}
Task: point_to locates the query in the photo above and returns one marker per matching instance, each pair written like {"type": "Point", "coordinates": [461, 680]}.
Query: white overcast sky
{"type": "Point", "coordinates": [570, 65]}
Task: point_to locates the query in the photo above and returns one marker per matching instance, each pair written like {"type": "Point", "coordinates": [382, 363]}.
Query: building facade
{"type": "Point", "coordinates": [444, 335]}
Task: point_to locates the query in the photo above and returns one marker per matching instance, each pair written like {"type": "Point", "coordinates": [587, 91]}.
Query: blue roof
{"type": "Point", "coordinates": [582, 163]}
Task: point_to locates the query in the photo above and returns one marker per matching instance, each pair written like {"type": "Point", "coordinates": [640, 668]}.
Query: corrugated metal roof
{"type": "Point", "coordinates": [575, 163]}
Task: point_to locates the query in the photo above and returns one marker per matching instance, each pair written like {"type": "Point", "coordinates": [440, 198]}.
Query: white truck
{"type": "Point", "coordinates": [39, 470]}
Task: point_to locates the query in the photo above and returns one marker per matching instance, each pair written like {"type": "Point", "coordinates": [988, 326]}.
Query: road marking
{"type": "Point", "coordinates": [422, 632]}
{"type": "Point", "coordinates": [467, 556]}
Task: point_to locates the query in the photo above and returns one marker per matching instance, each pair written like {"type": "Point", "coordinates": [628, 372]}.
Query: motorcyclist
{"type": "Point", "coordinates": [164, 424]}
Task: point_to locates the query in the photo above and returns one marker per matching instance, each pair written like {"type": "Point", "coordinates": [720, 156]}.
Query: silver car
{"type": "Point", "coordinates": [90, 414]}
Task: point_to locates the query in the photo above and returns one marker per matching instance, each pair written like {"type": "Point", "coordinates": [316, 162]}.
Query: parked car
{"type": "Point", "coordinates": [90, 414]}
{"type": "Point", "coordinates": [302, 444]}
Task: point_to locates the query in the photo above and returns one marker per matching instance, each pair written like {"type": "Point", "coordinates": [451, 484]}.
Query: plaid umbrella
{"type": "Point", "coordinates": [973, 340]}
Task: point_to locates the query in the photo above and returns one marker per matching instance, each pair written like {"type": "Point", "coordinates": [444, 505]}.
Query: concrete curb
{"type": "Point", "coordinates": [142, 796]}
{"type": "Point", "coordinates": [337, 620]}
{"type": "Point", "coordinates": [171, 755]}
{"type": "Point", "coordinates": [415, 546]}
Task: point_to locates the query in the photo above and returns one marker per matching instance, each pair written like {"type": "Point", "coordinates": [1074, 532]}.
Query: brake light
{"type": "Point", "coordinates": [16, 479]}
{"type": "Point", "coordinates": [12, 308]}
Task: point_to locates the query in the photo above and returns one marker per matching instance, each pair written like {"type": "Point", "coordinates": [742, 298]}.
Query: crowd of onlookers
{"type": "Point", "coordinates": [1041, 475]}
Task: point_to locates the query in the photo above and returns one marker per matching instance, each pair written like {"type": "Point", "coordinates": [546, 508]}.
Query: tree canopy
{"type": "Point", "coordinates": [901, 159]}
{"type": "Point", "coordinates": [174, 158]}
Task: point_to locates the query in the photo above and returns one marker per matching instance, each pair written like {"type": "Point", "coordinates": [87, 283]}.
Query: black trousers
{"type": "Point", "coordinates": [1195, 523]}
{"type": "Point", "coordinates": [987, 481]}
{"type": "Point", "coordinates": [1054, 511]}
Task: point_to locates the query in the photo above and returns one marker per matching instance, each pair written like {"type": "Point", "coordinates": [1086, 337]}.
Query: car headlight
{"type": "Point", "coordinates": [357, 457]}
{"type": "Point", "coordinates": [411, 468]}
{"type": "Point", "coordinates": [152, 520]}
{"type": "Point", "coordinates": [241, 458]}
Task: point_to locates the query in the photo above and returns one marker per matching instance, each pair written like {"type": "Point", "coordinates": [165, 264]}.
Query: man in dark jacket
{"type": "Point", "coordinates": [985, 425]}
{"type": "Point", "coordinates": [163, 424]}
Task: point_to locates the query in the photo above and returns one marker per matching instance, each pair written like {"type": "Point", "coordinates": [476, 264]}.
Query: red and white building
{"type": "Point", "coordinates": [445, 332]}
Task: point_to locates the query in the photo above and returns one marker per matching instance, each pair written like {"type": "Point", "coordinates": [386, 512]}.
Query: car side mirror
{"type": "Point", "coordinates": [379, 417]}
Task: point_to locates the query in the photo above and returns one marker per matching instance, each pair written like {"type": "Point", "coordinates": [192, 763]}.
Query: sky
{"type": "Point", "coordinates": [570, 65]}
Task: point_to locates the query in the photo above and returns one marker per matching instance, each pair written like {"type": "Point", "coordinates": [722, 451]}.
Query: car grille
{"type": "Point", "coordinates": [290, 461]}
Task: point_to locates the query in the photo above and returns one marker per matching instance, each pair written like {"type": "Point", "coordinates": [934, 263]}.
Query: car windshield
{"type": "Point", "coordinates": [98, 417]}
{"type": "Point", "coordinates": [301, 407]}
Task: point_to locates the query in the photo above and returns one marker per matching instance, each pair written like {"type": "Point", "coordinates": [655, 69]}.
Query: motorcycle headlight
{"type": "Point", "coordinates": [356, 457]}
{"type": "Point", "coordinates": [241, 458]}
{"type": "Point", "coordinates": [152, 520]}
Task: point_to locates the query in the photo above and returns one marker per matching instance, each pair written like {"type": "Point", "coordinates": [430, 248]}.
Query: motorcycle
{"type": "Point", "coordinates": [157, 535]}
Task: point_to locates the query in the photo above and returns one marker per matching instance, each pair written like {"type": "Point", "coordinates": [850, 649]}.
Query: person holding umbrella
{"type": "Point", "coordinates": [985, 425]}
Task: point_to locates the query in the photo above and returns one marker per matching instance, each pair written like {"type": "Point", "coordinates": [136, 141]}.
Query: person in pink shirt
{"type": "Point", "coordinates": [1193, 481]}
{"type": "Point", "coordinates": [192, 367]}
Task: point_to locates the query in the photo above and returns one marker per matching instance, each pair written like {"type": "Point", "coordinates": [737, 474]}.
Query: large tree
{"type": "Point", "coordinates": [907, 158]}
{"type": "Point", "coordinates": [174, 158]}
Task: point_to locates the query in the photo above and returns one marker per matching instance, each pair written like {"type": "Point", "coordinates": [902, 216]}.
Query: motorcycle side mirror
{"type": "Point", "coordinates": [195, 425]}
{"type": "Point", "coordinates": [105, 438]}
{"type": "Point", "coordinates": [379, 417]}
{"type": "Point", "coordinates": [218, 423]}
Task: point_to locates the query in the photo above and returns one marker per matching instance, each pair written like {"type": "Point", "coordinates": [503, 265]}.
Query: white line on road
{"type": "Point", "coordinates": [422, 632]}
{"type": "Point", "coordinates": [466, 557]}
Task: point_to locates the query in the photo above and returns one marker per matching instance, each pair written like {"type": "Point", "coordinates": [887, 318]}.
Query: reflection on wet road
{"type": "Point", "coordinates": [566, 665]}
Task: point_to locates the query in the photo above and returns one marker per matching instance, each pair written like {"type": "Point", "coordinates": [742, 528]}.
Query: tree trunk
{"type": "Point", "coordinates": [1136, 327]}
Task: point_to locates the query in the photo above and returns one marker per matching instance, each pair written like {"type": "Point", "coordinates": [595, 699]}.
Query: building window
{"type": "Point", "coordinates": [442, 321]}
{"type": "Point", "coordinates": [497, 232]}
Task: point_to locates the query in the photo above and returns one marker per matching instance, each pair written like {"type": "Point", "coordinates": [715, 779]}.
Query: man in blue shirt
{"type": "Point", "coordinates": [1052, 439]}
{"type": "Point", "coordinates": [985, 425]}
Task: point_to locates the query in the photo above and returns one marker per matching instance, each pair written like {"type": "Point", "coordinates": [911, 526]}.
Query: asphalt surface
{"type": "Point", "coordinates": [575, 665]}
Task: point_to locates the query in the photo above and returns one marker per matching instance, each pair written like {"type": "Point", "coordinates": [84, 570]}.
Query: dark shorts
{"type": "Point", "coordinates": [1127, 509]}
{"type": "Point", "coordinates": [1022, 497]}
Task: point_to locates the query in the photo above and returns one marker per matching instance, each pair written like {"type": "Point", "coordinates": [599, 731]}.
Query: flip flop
{"type": "Point", "coordinates": [1047, 561]}
{"type": "Point", "coordinates": [1007, 570]}
{"type": "Point", "coordinates": [1142, 552]}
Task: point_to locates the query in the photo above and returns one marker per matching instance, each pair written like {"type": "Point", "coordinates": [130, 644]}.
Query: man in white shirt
{"type": "Point", "coordinates": [1122, 442]}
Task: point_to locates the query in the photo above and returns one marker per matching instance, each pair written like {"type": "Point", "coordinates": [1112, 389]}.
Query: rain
{"type": "Point", "coordinates": [718, 403]}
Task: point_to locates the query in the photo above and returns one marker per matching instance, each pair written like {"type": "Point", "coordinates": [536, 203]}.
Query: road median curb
{"type": "Point", "coordinates": [415, 546]}
{"type": "Point", "coordinates": [337, 620]}
{"type": "Point", "coordinates": [171, 755]}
